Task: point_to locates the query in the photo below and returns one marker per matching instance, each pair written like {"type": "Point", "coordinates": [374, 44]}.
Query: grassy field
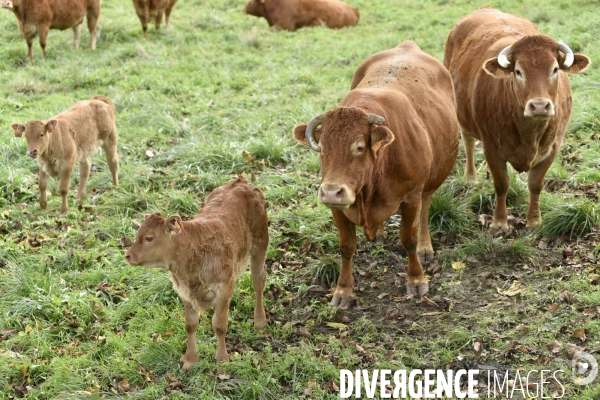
{"type": "Point", "coordinates": [217, 95]}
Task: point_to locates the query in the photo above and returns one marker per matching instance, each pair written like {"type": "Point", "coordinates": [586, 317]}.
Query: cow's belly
{"type": "Point", "coordinates": [50, 167]}
{"type": "Point", "coordinates": [201, 298]}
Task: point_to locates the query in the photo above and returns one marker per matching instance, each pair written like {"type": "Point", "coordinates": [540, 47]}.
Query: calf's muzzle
{"type": "Point", "coordinates": [33, 153]}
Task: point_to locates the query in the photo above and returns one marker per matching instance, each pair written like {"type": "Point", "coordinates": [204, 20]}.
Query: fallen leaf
{"type": "Point", "coordinates": [579, 333]}
{"type": "Point", "coordinates": [457, 265]}
{"type": "Point", "coordinates": [514, 290]}
{"type": "Point", "coordinates": [554, 347]}
{"type": "Point", "coordinates": [337, 325]}
{"type": "Point", "coordinates": [553, 307]}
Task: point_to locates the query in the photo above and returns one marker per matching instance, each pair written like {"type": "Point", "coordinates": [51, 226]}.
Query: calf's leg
{"type": "Point", "coordinates": [535, 182]}
{"type": "Point", "coordinates": [112, 159]}
{"type": "Point", "coordinates": [424, 247]}
{"type": "Point", "coordinates": [259, 278]}
{"type": "Point", "coordinates": [344, 290]}
{"type": "Point", "coordinates": [84, 172]}
{"type": "Point", "coordinates": [219, 324]}
{"type": "Point", "coordinates": [470, 170]}
{"type": "Point", "coordinates": [43, 185]}
{"type": "Point", "coordinates": [190, 358]}
{"type": "Point", "coordinates": [416, 281]}
{"type": "Point", "coordinates": [63, 187]}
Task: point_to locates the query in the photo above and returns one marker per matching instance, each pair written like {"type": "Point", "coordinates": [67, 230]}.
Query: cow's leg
{"type": "Point", "coordinates": [259, 278]}
{"type": "Point", "coordinates": [43, 185]}
{"type": "Point", "coordinates": [92, 22]}
{"type": "Point", "coordinates": [168, 16]}
{"type": "Point", "coordinates": [112, 158]}
{"type": "Point", "coordinates": [416, 281]}
{"type": "Point", "coordinates": [470, 170]}
{"type": "Point", "coordinates": [84, 172]}
{"type": "Point", "coordinates": [43, 32]}
{"type": "Point", "coordinates": [343, 294]}
{"type": "Point", "coordinates": [424, 247]}
{"type": "Point", "coordinates": [76, 35]}
{"type": "Point", "coordinates": [146, 18]}
{"type": "Point", "coordinates": [190, 357]}
{"type": "Point", "coordinates": [535, 181]}
{"type": "Point", "coordinates": [219, 324]}
{"type": "Point", "coordinates": [29, 40]}
{"type": "Point", "coordinates": [158, 20]}
{"type": "Point", "coordinates": [63, 187]}
{"type": "Point", "coordinates": [501, 183]}
{"type": "Point", "coordinates": [380, 234]}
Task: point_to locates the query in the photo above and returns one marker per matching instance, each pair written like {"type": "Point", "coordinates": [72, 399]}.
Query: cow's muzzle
{"type": "Point", "coordinates": [338, 197]}
{"type": "Point", "coordinates": [539, 108]}
{"type": "Point", "coordinates": [33, 153]}
{"type": "Point", "coordinates": [7, 4]}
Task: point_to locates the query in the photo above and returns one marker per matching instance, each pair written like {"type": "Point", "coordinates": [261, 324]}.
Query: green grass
{"type": "Point", "coordinates": [215, 96]}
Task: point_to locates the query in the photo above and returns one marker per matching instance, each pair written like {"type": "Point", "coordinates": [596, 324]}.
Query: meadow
{"type": "Point", "coordinates": [216, 96]}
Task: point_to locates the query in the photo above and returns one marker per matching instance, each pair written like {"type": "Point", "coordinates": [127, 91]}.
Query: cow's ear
{"type": "Point", "coordinates": [174, 224]}
{"type": "Point", "coordinates": [51, 125]}
{"type": "Point", "coordinates": [381, 136]}
{"type": "Point", "coordinates": [580, 64]}
{"type": "Point", "coordinates": [300, 134]}
{"type": "Point", "coordinates": [491, 67]}
{"type": "Point", "coordinates": [18, 129]}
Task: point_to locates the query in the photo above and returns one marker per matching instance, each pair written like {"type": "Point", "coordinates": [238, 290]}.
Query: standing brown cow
{"type": "Point", "coordinates": [386, 149]}
{"type": "Point", "coordinates": [39, 16]}
{"type": "Point", "coordinates": [206, 256]}
{"type": "Point", "coordinates": [294, 14]}
{"type": "Point", "coordinates": [69, 137]}
{"type": "Point", "coordinates": [153, 9]}
{"type": "Point", "coordinates": [513, 94]}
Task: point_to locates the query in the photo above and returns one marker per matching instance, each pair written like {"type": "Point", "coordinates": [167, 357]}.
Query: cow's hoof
{"type": "Point", "coordinates": [534, 223]}
{"type": "Point", "coordinates": [343, 303]}
{"type": "Point", "coordinates": [187, 365]}
{"type": "Point", "coordinates": [425, 257]}
{"type": "Point", "coordinates": [380, 239]}
{"type": "Point", "coordinates": [499, 231]}
{"type": "Point", "coordinates": [420, 290]}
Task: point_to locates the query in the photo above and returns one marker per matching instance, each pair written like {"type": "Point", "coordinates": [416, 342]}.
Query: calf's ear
{"type": "Point", "coordinates": [174, 225]}
{"type": "Point", "coordinates": [381, 136]}
{"type": "Point", "coordinates": [18, 129]}
{"type": "Point", "coordinates": [580, 64]}
{"type": "Point", "coordinates": [51, 125]}
{"type": "Point", "coordinates": [491, 67]}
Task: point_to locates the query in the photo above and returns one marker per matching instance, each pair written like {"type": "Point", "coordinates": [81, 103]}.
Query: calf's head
{"type": "Point", "coordinates": [534, 64]}
{"type": "Point", "coordinates": [256, 8]}
{"type": "Point", "coordinates": [36, 134]}
{"type": "Point", "coordinates": [348, 141]}
{"type": "Point", "coordinates": [153, 245]}
{"type": "Point", "coordinates": [10, 4]}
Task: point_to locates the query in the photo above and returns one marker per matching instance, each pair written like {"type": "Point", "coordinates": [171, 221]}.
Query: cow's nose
{"type": "Point", "coordinates": [32, 152]}
{"type": "Point", "coordinates": [336, 196]}
{"type": "Point", "coordinates": [539, 108]}
{"type": "Point", "coordinates": [127, 256]}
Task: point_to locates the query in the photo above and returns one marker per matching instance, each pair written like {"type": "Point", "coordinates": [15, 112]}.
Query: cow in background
{"type": "Point", "coordinates": [153, 9]}
{"type": "Point", "coordinates": [513, 94]}
{"type": "Point", "coordinates": [206, 256]}
{"type": "Point", "coordinates": [39, 16]}
{"type": "Point", "coordinates": [69, 137]}
{"type": "Point", "coordinates": [385, 150]}
{"type": "Point", "coordinates": [294, 14]}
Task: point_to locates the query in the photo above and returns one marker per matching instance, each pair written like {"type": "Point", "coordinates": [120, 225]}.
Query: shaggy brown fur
{"type": "Point", "coordinates": [206, 256]}
{"type": "Point", "coordinates": [372, 171]}
{"type": "Point", "coordinates": [294, 14]}
{"type": "Point", "coordinates": [153, 9]}
{"type": "Point", "coordinates": [495, 104]}
{"type": "Point", "coordinates": [69, 137]}
{"type": "Point", "coordinates": [39, 16]}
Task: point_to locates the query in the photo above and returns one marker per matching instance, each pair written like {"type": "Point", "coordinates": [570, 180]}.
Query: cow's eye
{"type": "Point", "coordinates": [149, 239]}
{"type": "Point", "coordinates": [41, 135]}
{"type": "Point", "coordinates": [360, 149]}
{"type": "Point", "coordinates": [555, 71]}
{"type": "Point", "coordinates": [519, 73]}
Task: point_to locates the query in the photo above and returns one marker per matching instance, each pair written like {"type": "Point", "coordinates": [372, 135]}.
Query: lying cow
{"type": "Point", "coordinates": [38, 17]}
{"type": "Point", "coordinates": [294, 14]}
{"type": "Point", "coordinates": [513, 94]}
{"type": "Point", "coordinates": [206, 256]}
{"type": "Point", "coordinates": [153, 9]}
{"type": "Point", "coordinates": [386, 149]}
{"type": "Point", "coordinates": [69, 137]}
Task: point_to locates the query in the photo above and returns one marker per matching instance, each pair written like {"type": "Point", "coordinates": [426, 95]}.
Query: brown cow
{"type": "Point", "coordinates": [386, 149]}
{"type": "Point", "coordinates": [153, 9]}
{"type": "Point", "coordinates": [294, 14]}
{"type": "Point", "coordinates": [69, 137]}
{"type": "Point", "coordinates": [205, 257]}
{"type": "Point", "coordinates": [39, 16]}
{"type": "Point", "coordinates": [513, 94]}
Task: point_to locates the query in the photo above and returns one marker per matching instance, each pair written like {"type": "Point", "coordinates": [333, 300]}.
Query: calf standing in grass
{"type": "Point", "coordinates": [148, 9]}
{"type": "Point", "coordinates": [206, 255]}
{"type": "Point", "coordinates": [69, 137]}
{"type": "Point", "coordinates": [39, 16]}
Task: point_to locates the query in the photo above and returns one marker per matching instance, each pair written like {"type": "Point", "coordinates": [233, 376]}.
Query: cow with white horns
{"type": "Point", "coordinates": [513, 94]}
{"type": "Point", "coordinates": [385, 150]}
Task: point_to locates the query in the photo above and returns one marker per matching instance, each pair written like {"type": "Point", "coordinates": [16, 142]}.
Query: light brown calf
{"type": "Point", "coordinates": [153, 9]}
{"type": "Point", "coordinates": [69, 137]}
{"type": "Point", "coordinates": [206, 256]}
{"type": "Point", "coordinates": [39, 16]}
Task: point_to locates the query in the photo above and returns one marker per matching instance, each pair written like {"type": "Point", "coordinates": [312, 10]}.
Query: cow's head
{"type": "Point", "coordinates": [256, 8]}
{"type": "Point", "coordinates": [534, 63]}
{"type": "Point", "coordinates": [348, 141]}
{"type": "Point", "coordinates": [36, 134]}
{"type": "Point", "coordinates": [153, 245]}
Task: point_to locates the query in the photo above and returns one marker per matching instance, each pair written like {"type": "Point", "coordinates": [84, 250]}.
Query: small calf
{"type": "Point", "coordinates": [69, 137]}
{"type": "Point", "coordinates": [148, 9]}
{"type": "Point", "coordinates": [42, 15]}
{"type": "Point", "coordinates": [206, 255]}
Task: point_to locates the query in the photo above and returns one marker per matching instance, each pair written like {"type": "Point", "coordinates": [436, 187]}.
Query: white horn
{"type": "Point", "coordinates": [316, 121]}
{"type": "Point", "coordinates": [502, 57]}
{"type": "Point", "coordinates": [568, 54]}
{"type": "Point", "coordinates": [375, 119]}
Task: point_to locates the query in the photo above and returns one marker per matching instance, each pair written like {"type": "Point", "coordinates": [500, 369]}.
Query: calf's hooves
{"type": "Point", "coordinates": [343, 303]}
{"type": "Point", "coordinates": [499, 231]}
{"type": "Point", "coordinates": [425, 257]}
{"type": "Point", "coordinates": [420, 290]}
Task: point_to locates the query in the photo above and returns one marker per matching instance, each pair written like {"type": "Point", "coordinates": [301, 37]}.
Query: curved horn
{"type": "Point", "coordinates": [308, 134]}
{"type": "Point", "coordinates": [568, 54]}
{"type": "Point", "coordinates": [375, 119]}
{"type": "Point", "coordinates": [502, 57]}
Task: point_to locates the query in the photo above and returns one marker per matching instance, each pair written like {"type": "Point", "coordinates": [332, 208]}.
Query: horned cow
{"type": "Point", "coordinates": [69, 137]}
{"type": "Point", "coordinates": [205, 257]}
{"type": "Point", "coordinates": [386, 149]}
{"type": "Point", "coordinates": [513, 94]}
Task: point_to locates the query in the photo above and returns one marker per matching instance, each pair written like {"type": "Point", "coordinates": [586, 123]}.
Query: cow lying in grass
{"type": "Point", "coordinates": [38, 17]}
{"type": "Point", "coordinates": [153, 9]}
{"type": "Point", "coordinates": [206, 256]}
{"type": "Point", "coordinates": [294, 14]}
{"type": "Point", "coordinates": [69, 137]}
